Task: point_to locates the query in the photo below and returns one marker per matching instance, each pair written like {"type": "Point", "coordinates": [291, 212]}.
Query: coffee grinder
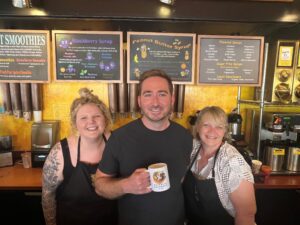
{"type": "Point", "coordinates": [235, 126]}
{"type": "Point", "coordinates": [43, 136]}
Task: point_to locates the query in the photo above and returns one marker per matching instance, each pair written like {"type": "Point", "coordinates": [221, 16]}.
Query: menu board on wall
{"type": "Point", "coordinates": [88, 56]}
{"type": "Point", "coordinates": [230, 60]}
{"type": "Point", "coordinates": [24, 56]}
{"type": "Point", "coordinates": [174, 53]}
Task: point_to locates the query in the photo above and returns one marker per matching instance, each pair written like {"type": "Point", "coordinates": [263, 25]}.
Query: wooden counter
{"type": "Point", "coordinates": [280, 182]}
{"type": "Point", "coordinates": [19, 178]}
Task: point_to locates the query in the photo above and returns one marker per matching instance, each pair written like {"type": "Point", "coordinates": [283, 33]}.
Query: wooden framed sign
{"type": "Point", "coordinates": [88, 56]}
{"type": "Point", "coordinates": [230, 60]}
{"type": "Point", "coordinates": [174, 53]}
{"type": "Point", "coordinates": [24, 56]}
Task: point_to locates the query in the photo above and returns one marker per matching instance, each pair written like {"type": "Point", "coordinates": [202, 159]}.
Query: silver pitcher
{"type": "Point", "coordinates": [293, 159]}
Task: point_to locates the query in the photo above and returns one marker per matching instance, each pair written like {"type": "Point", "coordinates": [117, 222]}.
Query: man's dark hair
{"type": "Point", "coordinates": [155, 73]}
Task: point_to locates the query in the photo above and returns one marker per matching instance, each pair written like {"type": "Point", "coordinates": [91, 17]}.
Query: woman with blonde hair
{"type": "Point", "coordinates": [68, 195]}
{"type": "Point", "coordinates": [218, 186]}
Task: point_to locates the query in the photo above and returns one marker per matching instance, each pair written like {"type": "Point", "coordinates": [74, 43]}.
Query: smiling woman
{"type": "Point", "coordinates": [88, 98]}
{"type": "Point", "coordinates": [68, 195]}
{"type": "Point", "coordinates": [218, 175]}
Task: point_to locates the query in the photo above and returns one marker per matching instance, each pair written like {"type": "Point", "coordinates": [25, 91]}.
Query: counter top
{"type": "Point", "coordinates": [19, 178]}
{"type": "Point", "coordinates": [279, 182]}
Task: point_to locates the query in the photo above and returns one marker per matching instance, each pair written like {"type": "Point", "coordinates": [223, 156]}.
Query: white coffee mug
{"type": "Point", "coordinates": [159, 177]}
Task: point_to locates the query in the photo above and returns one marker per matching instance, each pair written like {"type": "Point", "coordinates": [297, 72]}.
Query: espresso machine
{"type": "Point", "coordinates": [43, 137]}
{"type": "Point", "coordinates": [279, 139]}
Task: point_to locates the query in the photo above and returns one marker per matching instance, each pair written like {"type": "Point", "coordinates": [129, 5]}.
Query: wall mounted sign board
{"type": "Point", "coordinates": [88, 56]}
{"type": "Point", "coordinates": [230, 60]}
{"type": "Point", "coordinates": [173, 53]}
{"type": "Point", "coordinates": [24, 56]}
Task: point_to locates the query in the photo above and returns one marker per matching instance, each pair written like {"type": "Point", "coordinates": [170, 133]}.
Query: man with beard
{"type": "Point", "coordinates": [153, 138]}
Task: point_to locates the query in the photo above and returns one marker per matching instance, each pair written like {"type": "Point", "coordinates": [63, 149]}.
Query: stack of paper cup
{"type": "Point", "coordinates": [26, 159]}
{"type": "Point", "coordinates": [256, 164]}
{"type": "Point", "coordinates": [37, 116]}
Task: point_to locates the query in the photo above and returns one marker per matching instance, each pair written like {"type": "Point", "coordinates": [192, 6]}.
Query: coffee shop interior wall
{"type": "Point", "coordinates": [57, 98]}
{"type": "Point", "coordinates": [273, 20]}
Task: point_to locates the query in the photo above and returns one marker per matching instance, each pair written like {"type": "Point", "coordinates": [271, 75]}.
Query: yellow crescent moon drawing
{"type": "Point", "coordinates": [136, 58]}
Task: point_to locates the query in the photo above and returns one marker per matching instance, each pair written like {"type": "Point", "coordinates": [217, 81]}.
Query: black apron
{"type": "Point", "coordinates": [202, 203]}
{"type": "Point", "coordinates": [77, 201]}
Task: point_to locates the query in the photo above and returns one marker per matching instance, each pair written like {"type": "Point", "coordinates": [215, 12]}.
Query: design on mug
{"type": "Point", "coordinates": [159, 177]}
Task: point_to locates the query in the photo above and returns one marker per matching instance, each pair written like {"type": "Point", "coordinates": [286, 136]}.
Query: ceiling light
{"type": "Point", "coordinates": [22, 3]}
{"type": "Point", "coordinates": [168, 2]}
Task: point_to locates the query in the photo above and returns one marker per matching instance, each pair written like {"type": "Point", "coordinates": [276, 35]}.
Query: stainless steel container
{"type": "Point", "coordinates": [235, 128]}
{"type": "Point", "coordinates": [293, 159]}
{"type": "Point", "coordinates": [235, 124]}
{"type": "Point", "coordinates": [274, 156]}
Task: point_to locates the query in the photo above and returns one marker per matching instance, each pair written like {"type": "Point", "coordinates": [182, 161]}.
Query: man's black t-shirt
{"type": "Point", "coordinates": [135, 146]}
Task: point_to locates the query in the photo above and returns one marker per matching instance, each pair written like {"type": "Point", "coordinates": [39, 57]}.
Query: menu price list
{"type": "Point", "coordinates": [24, 56]}
{"type": "Point", "coordinates": [88, 56]}
{"type": "Point", "coordinates": [172, 53]}
{"type": "Point", "coordinates": [230, 61]}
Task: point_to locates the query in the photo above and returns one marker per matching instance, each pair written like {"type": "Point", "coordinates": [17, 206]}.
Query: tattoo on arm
{"type": "Point", "coordinates": [51, 180]}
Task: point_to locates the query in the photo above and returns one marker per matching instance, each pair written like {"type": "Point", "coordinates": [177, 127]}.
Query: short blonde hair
{"type": "Point", "coordinates": [86, 97]}
{"type": "Point", "coordinates": [218, 114]}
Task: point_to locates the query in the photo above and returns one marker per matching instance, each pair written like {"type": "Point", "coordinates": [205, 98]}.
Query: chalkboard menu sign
{"type": "Point", "coordinates": [230, 60]}
{"type": "Point", "coordinates": [88, 56]}
{"type": "Point", "coordinates": [173, 53]}
{"type": "Point", "coordinates": [24, 56]}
